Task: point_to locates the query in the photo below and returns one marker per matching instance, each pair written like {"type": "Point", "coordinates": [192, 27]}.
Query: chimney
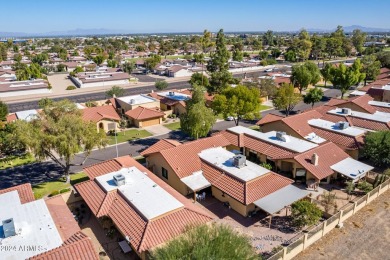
{"type": "Point", "coordinates": [9, 228]}
{"type": "Point", "coordinates": [314, 159]}
{"type": "Point", "coordinates": [119, 179]}
{"type": "Point", "coordinates": [113, 95]}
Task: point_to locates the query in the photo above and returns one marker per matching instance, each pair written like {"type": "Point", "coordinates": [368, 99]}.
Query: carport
{"type": "Point", "coordinates": [352, 169]}
{"type": "Point", "coordinates": [280, 199]}
{"type": "Point", "coordinates": [196, 182]}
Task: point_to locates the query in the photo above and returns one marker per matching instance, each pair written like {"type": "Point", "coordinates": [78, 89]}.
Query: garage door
{"type": "Point", "coordinates": [151, 122]}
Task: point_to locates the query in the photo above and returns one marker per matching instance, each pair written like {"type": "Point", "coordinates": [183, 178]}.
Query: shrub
{"type": "Point", "coordinates": [266, 165]}
{"type": "Point", "coordinates": [305, 213]}
{"type": "Point", "coordinates": [56, 192]}
{"type": "Point", "coordinates": [64, 190]}
{"type": "Point", "coordinates": [364, 187]}
{"type": "Point", "coordinates": [71, 87]}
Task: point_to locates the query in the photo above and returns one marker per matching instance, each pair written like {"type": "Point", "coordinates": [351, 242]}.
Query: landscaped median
{"type": "Point", "coordinates": [128, 135]}
{"type": "Point", "coordinates": [58, 186]}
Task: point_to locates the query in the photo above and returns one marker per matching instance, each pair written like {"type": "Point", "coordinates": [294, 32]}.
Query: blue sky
{"type": "Point", "coordinates": [190, 16]}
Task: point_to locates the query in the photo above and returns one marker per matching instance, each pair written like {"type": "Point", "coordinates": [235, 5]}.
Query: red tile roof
{"type": "Point", "coordinates": [98, 113]}
{"type": "Point", "coordinates": [244, 192]}
{"type": "Point", "coordinates": [345, 141]}
{"type": "Point", "coordinates": [24, 190]}
{"type": "Point", "coordinates": [184, 159]}
{"type": "Point", "coordinates": [142, 113]}
{"type": "Point", "coordinates": [11, 118]}
{"type": "Point", "coordinates": [328, 155]}
{"type": "Point", "coordinates": [268, 119]}
{"type": "Point", "coordinates": [159, 146]}
{"type": "Point", "coordinates": [360, 101]}
{"type": "Point", "coordinates": [382, 109]}
{"type": "Point", "coordinates": [144, 234]}
{"type": "Point", "coordinates": [62, 217]}
{"type": "Point", "coordinates": [77, 247]}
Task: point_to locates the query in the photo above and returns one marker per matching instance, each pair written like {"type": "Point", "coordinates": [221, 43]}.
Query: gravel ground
{"type": "Point", "coordinates": [366, 235]}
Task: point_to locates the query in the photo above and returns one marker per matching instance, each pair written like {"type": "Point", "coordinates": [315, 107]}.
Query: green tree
{"type": "Point", "coordinates": [313, 96]}
{"type": "Point", "coordinates": [268, 38]}
{"type": "Point", "coordinates": [58, 133]}
{"type": "Point", "coordinates": [263, 55]}
{"type": "Point", "coordinates": [371, 67]}
{"type": "Point", "coordinates": [61, 67]}
{"type": "Point", "coordinates": [239, 102]}
{"type": "Point", "coordinates": [128, 66]}
{"type": "Point", "coordinates": [218, 66]}
{"type": "Point", "coordinates": [3, 111]}
{"type": "Point", "coordinates": [8, 141]}
{"type": "Point", "coordinates": [326, 72]}
{"type": "Point", "coordinates": [304, 75]}
{"type": "Point", "coordinates": [305, 213]}
{"type": "Point", "coordinates": [377, 147]}
{"type": "Point", "coordinates": [115, 91]}
{"type": "Point", "coordinates": [213, 241]}
{"type": "Point", "coordinates": [111, 63]}
{"type": "Point", "coordinates": [205, 41]}
{"type": "Point", "coordinates": [40, 58]}
{"type": "Point", "coordinates": [199, 119]}
{"type": "Point", "coordinates": [358, 38]}
{"type": "Point", "coordinates": [384, 58]}
{"type": "Point", "coordinates": [286, 98]}
{"type": "Point", "coordinates": [199, 79]}
{"type": "Point", "coordinates": [237, 51]}
{"type": "Point", "coordinates": [290, 56]}
{"type": "Point", "coordinates": [161, 84]}
{"type": "Point", "coordinates": [344, 77]}
{"type": "Point", "coordinates": [349, 188]}
{"type": "Point", "coordinates": [98, 59]}
{"type": "Point", "coordinates": [152, 61]}
{"type": "Point", "coordinates": [44, 102]}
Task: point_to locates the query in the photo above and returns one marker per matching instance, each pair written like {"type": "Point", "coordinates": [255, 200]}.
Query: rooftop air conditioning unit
{"type": "Point", "coordinates": [9, 228]}
{"type": "Point", "coordinates": [282, 136]}
{"type": "Point", "coordinates": [343, 125]}
{"type": "Point", "coordinates": [171, 93]}
{"type": "Point", "coordinates": [119, 179]}
{"type": "Point", "coordinates": [132, 101]}
{"type": "Point", "coordinates": [239, 161]}
{"type": "Point", "coordinates": [346, 111]}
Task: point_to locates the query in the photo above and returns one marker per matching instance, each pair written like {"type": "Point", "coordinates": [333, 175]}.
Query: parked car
{"type": "Point", "coordinates": [229, 118]}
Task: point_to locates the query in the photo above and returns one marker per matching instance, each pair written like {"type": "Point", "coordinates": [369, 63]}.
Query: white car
{"type": "Point", "coordinates": [229, 118]}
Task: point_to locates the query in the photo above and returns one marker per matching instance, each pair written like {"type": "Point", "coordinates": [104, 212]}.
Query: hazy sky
{"type": "Point", "coordinates": [134, 16]}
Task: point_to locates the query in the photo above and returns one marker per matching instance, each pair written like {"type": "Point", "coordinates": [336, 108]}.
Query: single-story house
{"type": "Point", "coordinates": [23, 88]}
{"type": "Point", "coordinates": [105, 117]}
{"type": "Point", "coordinates": [45, 227]}
{"type": "Point", "coordinates": [143, 116]}
{"type": "Point", "coordinates": [145, 210]}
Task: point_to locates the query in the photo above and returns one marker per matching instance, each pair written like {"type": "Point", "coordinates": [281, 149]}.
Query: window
{"type": "Point", "coordinates": [164, 173]}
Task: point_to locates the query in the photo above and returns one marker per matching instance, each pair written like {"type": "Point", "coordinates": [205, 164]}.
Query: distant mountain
{"type": "Point", "coordinates": [364, 29]}
{"type": "Point", "coordinates": [75, 32]}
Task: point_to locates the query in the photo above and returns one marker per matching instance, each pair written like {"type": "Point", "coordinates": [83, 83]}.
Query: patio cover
{"type": "Point", "coordinates": [196, 181]}
{"type": "Point", "coordinates": [277, 200]}
{"type": "Point", "coordinates": [351, 168]}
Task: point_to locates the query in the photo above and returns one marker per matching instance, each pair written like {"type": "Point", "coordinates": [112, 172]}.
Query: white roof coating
{"type": "Point", "coordinates": [34, 227]}
{"type": "Point", "coordinates": [379, 103]}
{"type": "Point", "coordinates": [196, 181]}
{"type": "Point", "coordinates": [144, 194]}
{"type": "Point", "coordinates": [351, 168]}
{"type": "Point", "coordinates": [27, 115]}
{"type": "Point", "coordinates": [377, 116]}
{"type": "Point", "coordinates": [137, 99]}
{"type": "Point", "coordinates": [314, 138]}
{"type": "Point", "coordinates": [223, 159]}
{"type": "Point", "coordinates": [294, 144]}
{"type": "Point", "coordinates": [279, 199]}
{"type": "Point", "coordinates": [176, 95]}
{"type": "Point", "coordinates": [357, 93]}
{"type": "Point", "coordinates": [328, 125]}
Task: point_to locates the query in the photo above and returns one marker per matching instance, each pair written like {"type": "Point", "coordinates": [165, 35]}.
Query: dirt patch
{"type": "Point", "coordinates": [366, 235]}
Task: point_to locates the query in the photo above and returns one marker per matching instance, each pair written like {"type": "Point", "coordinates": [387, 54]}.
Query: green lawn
{"type": "Point", "coordinates": [264, 107]}
{"type": "Point", "coordinates": [13, 161]}
{"type": "Point", "coordinates": [173, 126]}
{"type": "Point", "coordinates": [129, 135]}
{"type": "Point", "coordinates": [43, 189]}
{"type": "Point", "coordinates": [386, 49]}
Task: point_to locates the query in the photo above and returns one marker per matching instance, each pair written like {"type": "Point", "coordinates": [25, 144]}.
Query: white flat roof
{"type": "Point", "coordinates": [27, 115]}
{"type": "Point", "coordinates": [327, 125]}
{"type": "Point", "coordinates": [294, 144]}
{"type": "Point", "coordinates": [379, 103]}
{"type": "Point", "coordinates": [378, 116]}
{"type": "Point", "coordinates": [138, 99]}
{"type": "Point", "coordinates": [351, 168]}
{"type": "Point", "coordinates": [386, 87]}
{"type": "Point", "coordinates": [196, 181]}
{"type": "Point", "coordinates": [279, 199]}
{"type": "Point", "coordinates": [314, 138]}
{"type": "Point", "coordinates": [358, 93]}
{"type": "Point", "coordinates": [144, 194]}
{"type": "Point", "coordinates": [34, 227]}
{"type": "Point", "coordinates": [223, 159]}
{"type": "Point", "coordinates": [176, 95]}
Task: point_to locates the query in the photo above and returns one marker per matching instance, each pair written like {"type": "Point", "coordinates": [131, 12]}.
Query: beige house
{"type": "Point", "coordinates": [105, 117]}
{"type": "Point", "coordinates": [143, 117]}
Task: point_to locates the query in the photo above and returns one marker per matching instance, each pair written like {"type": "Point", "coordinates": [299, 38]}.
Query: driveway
{"type": "Point", "coordinates": [157, 130]}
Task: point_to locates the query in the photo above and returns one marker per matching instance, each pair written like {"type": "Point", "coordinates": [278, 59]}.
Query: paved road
{"type": "Point", "coordinates": [45, 171]}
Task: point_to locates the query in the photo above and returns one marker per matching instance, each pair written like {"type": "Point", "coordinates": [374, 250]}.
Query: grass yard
{"type": "Point", "coordinates": [43, 189]}
{"type": "Point", "coordinates": [173, 126]}
{"type": "Point", "coordinates": [264, 107]}
{"type": "Point", "coordinates": [128, 135]}
{"type": "Point", "coordinates": [13, 161]}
